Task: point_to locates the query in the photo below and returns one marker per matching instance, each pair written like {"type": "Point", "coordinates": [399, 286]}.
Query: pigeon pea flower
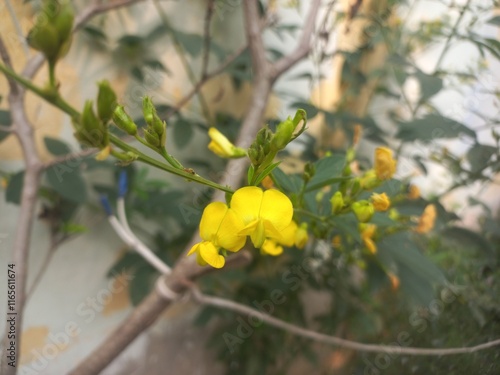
{"type": "Point", "coordinates": [264, 213]}
{"type": "Point", "coordinates": [381, 202]}
{"type": "Point", "coordinates": [385, 165]}
{"type": "Point", "coordinates": [219, 229]}
{"type": "Point", "coordinates": [222, 147]}
{"type": "Point", "coordinates": [271, 247]}
{"type": "Point", "coordinates": [367, 233]}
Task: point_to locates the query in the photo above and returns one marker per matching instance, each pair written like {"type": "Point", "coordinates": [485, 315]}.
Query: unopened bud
{"type": "Point", "coordinates": [123, 121]}
{"type": "Point", "coordinates": [106, 101]}
{"type": "Point", "coordinates": [337, 201]}
{"type": "Point", "coordinates": [151, 137]}
{"type": "Point", "coordinates": [363, 210]}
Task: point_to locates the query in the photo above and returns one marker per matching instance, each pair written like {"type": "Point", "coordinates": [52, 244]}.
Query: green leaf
{"type": "Point", "coordinates": [310, 109]}
{"type": "Point", "coordinates": [416, 272]}
{"type": "Point", "coordinates": [479, 155]}
{"type": "Point", "coordinates": [5, 120]}
{"type": "Point", "coordinates": [467, 239]}
{"type": "Point", "coordinates": [95, 32]}
{"type": "Point", "coordinates": [266, 172]}
{"type": "Point", "coordinates": [289, 183]}
{"type": "Point", "coordinates": [494, 21]}
{"type": "Point", "coordinates": [13, 193]}
{"type": "Point", "coordinates": [56, 147]}
{"type": "Point", "coordinates": [183, 132]}
{"type": "Point", "coordinates": [68, 182]}
{"type": "Point", "coordinates": [250, 173]}
{"type": "Point", "coordinates": [328, 171]}
{"type": "Point", "coordinates": [432, 126]}
{"type": "Point", "coordinates": [157, 65]}
{"type": "Point", "coordinates": [192, 43]}
{"type": "Point", "coordinates": [429, 85]}
{"type": "Point", "coordinates": [141, 284]}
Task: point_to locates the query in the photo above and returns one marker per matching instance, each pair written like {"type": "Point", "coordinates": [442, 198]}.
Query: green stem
{"type": "Point", "coordinates": [60, 103]}
{"type": "Point", "coordinates": [172, 161]}
{"type": "Point", "coordinates": [52, 75]}
{"type": "Point", "coordinates": [153, 162]}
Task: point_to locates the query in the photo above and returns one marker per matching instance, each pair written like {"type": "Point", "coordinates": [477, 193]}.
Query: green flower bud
{"type": "Point", "coordinates": [148, 110]}
{"type": "Point", "coordinates": [123, 121]}
{"type": "Point", "coordinates": [355, 187]}
{"type": "Point", "coordinates": [283, 134]}
{"type": "Point", "coordinates": [151, 137]}
{"type": "Point", "coordinates": [44, 38]}
{"type": "Point", "coordinates": [63, 21]}
{"type": "Point", "coordinates": [155, 124]}
{"type": "Point", "coordinates": [369, 180]}
{"type": "Point", "coordinates": [363, 210]}
{"type": "Point", "coordinates": [106, 101]}
{"type": "Point", "coordinates": [337, 201]}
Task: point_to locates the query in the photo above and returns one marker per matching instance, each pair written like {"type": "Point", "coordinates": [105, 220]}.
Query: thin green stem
{"type": "Point", "coordinates": [52, 75]}
{"type": "Point", "coordinates": [300, 211]}
{"type": "Point", "coordinates": [172, 161]}
{"type": "Point", "coordinates": [60, 103]}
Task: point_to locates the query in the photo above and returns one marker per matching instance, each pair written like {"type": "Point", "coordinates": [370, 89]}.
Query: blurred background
{"type": "Point", "coordinates": [419, 76]}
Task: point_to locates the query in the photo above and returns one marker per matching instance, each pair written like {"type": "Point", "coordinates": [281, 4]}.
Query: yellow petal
{"type": "Point", "coordinates": [228, 235]}
{"type": "Point", "coordinates": [381, 202]}
{"type": "Point", "coordinates": [258, 236]}
{"type": "Point", "coordinates": [209, 253]}
{"type": "Point", "coordinates": [211, 219]}
{"type": "Point", "coordinates": [271, 248]}
{"type": "Point", "coordinates": [276, 208]}
{"type": "Point", "coordinates": [385, 165]}
{"type": "Point", "coordinates": [246, 203]}
{"type": "Point", "coordinates": [288, 234]}
{"type": "Point", "coordinates": [194, 249]}
{"type": "Point", "coordinates": [220, 145]}
{"type": "Point", "coordinates": [301, 236]}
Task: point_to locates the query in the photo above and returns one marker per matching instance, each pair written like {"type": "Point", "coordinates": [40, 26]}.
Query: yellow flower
{"type": "Point", "coordinates": [301, 236]}
{"type": "Point", "coordinates": [337, 241]}
{"type": "Point", "coordinates": [271, 247]}
{"type": "Point", "coordinates": [221, 146]}
{"type": "Point", "coordinates": [385, 165]}
{"type": "Point", "coordinates": [367, 233]}
{"type": "Point", "coordinates": [381, 202]}
{"type": "Point", "coordinates": [264, 213]}
{"type": "Point", "coordinates": [413, 192]}
{"type": "Point", "coordinates": [427, 220]}
{"type": "Point", "coordinates": [219, 229]}
{"type": "Point", "coordinates": [103, 154]}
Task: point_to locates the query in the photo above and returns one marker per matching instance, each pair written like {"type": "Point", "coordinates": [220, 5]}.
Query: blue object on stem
{"type": "Point", "coordinates": [122, 183]}
{"type": "Point", "coordinates": [106, 205]}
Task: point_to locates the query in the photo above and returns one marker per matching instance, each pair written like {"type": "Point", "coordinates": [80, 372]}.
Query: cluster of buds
{"type": "Point", "coordinates": [51, 33]}
{"type": "Point", "coordinates": [92, 129]}
{"type": "Point", "coordinates": [156, 131]}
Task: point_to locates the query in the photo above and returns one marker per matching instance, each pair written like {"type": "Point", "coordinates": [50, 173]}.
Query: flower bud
{"type": "Point", "coordinates": [123, 121]}
{"type": "Point", "coordinates": [152, 138]}
{"type": "Point", "coordinates": [381, 202]}
{"type": "Point", "coordinates": [337, 202]}
{"type": "Point", "coordinates": [106, 101]}
{"type": "Point", "coordinates": [221, 146]}
{"type": "Point", "coordinates": [63, 21]}
{"type": "Point", "coordinates": [283, 135]}
{"type": "Point", "coordinates": [369, 180]}
{"type": "Point", "coordinates": [385, 165]}
{"type": "Point", "coordinates": [301, 236]}
{"type": "Point", "coordinates": [44, 38]}
{"type": "Point", "coordinates": [363, 210]}
{"type": "Point", "coordinates": [155, 124]}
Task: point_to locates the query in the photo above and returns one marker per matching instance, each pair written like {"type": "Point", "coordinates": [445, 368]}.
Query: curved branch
{"type": "Point", "coordinates": [332, 340]}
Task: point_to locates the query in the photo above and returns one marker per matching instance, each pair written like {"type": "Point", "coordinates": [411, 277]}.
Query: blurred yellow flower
{"type": "Point", "coordinates": [219, 229]}
{"type": "Point", "coordinates": [413, 192]}
{"type": "Point", "coordinates": [381, 202]}
{"type": "Point", "coordinates": [367, 233]}
{"type": "Point", "coordinates": [264, 213]}
{"type": "Point", "coordinates": [222, 147]}
{"type": "Point", "coordinates": [385, 165]}
{"type": "Point", "coordinates": [301, 236]}
{"type": "Point", "coordinates": [427, 220]}
{"type": "Point", "coordinates": [271, 247]}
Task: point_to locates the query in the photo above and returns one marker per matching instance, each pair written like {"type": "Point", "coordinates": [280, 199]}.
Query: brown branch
{"type": "Point", "coordinates": [206, 38]}
{"type": "Point", "coordinates": [148, 311]}
{"type": "Point", "coordinates": [332, 340]}
{"type": "Point", "coordinates": [70, 157]}
{"type": "Point", "coordinates": [4, 55]}
{"type": "Point", "coordinates": [186, 269]}
{"type": "Point", "coordinates": [304, 45]}
{"type": "Point", "coordinates": [23, 129]}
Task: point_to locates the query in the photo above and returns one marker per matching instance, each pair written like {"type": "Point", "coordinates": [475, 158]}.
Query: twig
{"type": "Point", "coordinates": [63, 159]}
{"type": "Point", "coordinates": [208, 76]}
{"type": "Point", "coordinates": [206, 38]}
{"type": "Point", "coordinates": [4, 55]}
{"type": "Point", "coordinates": [23, 130]}
{"type": "Point", "coordinates": [18, 28]}
{"type": "Point", "coordinates": [332, 340]}
{"type": "Point", "coordinates": [5, 129]}
{"type": "Point", "coordinates": [181, 53]}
